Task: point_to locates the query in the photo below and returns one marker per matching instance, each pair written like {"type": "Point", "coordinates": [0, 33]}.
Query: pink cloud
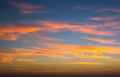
{"type": "Point", "coordinates": [97, 18]}
{"type": "Point", "coordinates": [88, 29]}
{"type": "Point", "coordinates": [94, 31]}
{"type": "Point", "coordinates": [103, 18]}
{"type": "Point", "coordinates": [10, 37]}
{"type": "Point", "coordinates": [12, 31]}
{"type": "Point", "coordinates": [104, 41]}
{"type": "Point", "coordinates": [109, 21]}
{"type": "Point", "coordinates": [80, 7]}
{"type": "Point", "coordinates": [26, 8]}
{"type": "Point", "coordinates": [109, 9]}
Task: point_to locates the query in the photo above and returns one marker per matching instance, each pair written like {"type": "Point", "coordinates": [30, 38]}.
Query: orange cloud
{"type": "Point", "coordinates": [26, 8]}
{"type": "Point", "coordinates": [102, 40]}
{"type": "Point", "coordinates": [84, 63]}
{"type": "Point", "coordinates": [5, 60]}
{"type": "Point", "coordinates": [88, 48]}
{"type": "Point", "coordinates": [54, 26]}
{"type": "Point", "coordinates": [25, 60]}
{"type": "Point", "coordinates": [92, 56]}
{"type": "Point", "coordinates": [11, 37]}
{"type": "Point", "coordinates": [18, 29]}
{"type": "Point", "coordinates": [33, 52]}
{"type": "Point", "coordinates": [54, 55]}
{"type": "Point", "coordinates": [88, 29]}
{"type": "Point", "coordinates": [63, 50]}
{"type": "Point", "coordinates": [11, 32]}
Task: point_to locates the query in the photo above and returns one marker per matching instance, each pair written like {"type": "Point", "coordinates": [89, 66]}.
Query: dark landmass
{"type": "Point", "coordinates": [59, 75]}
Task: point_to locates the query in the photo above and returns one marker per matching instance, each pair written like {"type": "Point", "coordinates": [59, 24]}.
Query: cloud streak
{"type": "Point", "coordinates": [109, 9]}
{"type": "Point", "coordinates": [26, 8]}
{"type": "Point", "coordinates": [13, 31]}
{"type": "Point", "coordinates": [25, 60]}
{"type": "Point", "coordinates": [6, 60]}
{"type": "Point", "coordinates": [62, 51]}
{"type": "Point", "coordinates": [103, 41]}
{"type": "Point", "coordinates": [87, 29]}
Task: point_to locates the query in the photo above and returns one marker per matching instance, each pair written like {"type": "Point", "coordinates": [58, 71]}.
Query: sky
{"type": "Point", "coordinates": [60, 36]}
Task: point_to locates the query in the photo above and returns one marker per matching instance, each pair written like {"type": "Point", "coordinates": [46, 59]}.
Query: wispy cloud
{"type": "Point", "coordinates": [109, 21]}
{"type": "Point", "coordinates": [13, 31]}
{"type": "Point", "coordinates": [79, 7]}
{"type": "Point", "coordinates": [10, 37]}
{"type": "Point", "coordinates": [25, 60]}
{"type": "Point", "coordinates": [85, 63]}
{"type": "Point", "coordinates": [63, 50]}
{"type": "Point", "coordinates": [26, 8]}
{"type": "Point", "coordinates": [109, 9]}
{"type": "Point", "coordinates": [99, 40]}
{"type": "Point", "coordinates": [79, 63]}
{"type": "Point", "coordinates": [87, 29]}
{"type": "Point", "coordinates": [110, 18]}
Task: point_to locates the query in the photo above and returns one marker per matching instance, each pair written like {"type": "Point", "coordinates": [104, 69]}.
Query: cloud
{"type": "Point", "coordinates": [63, 50]}
{"type": "Point", "coordinates": [109, 21]}
{"type": "Point", "coordinates": [33, 52]}
{"type": "Point", "coordinates": [97, 18]}
{"type": "Point", "coordinates": [93, 56]}
{"type": "Point", "coordinates": [52, 26]}
{"type": "Point", "coordinates": [78, 49]}
{"type": "Point", "coordinates": [103, 41]}
{"type": "Point", "coordinates": [109, 9]}
{"type": "Point", "coordinates": [25, 60]}
{"type": "Point", "coordinates": [113, 24]}
{"type": "Point", "coordinates": [79, 63]}
{"type": "Point", "coordinates": [26, 8]}
{"type": "Point", "coordinates": [18, 29]}
{"type": "Point", "coordinates": [85, 63]}
{"type": "Point", "coordinates": [94, 31]}
{"type": "Point", "coordinates": [110, 18]}
{"type": "Point", "coordinates": [21, 69]}
{"type": "Point", "coordinates": [12, 32]}
{"type": "Point", "coordinates": [10, 37]}
{"type": "Point", "coordinates": [6, 60]}
{"type": "Point", "coordinates": [80, 7]}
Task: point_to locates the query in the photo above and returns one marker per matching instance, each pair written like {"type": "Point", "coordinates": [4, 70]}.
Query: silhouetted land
{"type": "Point", "coordinates": [59, 75]}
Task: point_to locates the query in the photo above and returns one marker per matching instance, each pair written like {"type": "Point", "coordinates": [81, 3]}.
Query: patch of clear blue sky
{"type": "Point", "coordinates": [62, 10]}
